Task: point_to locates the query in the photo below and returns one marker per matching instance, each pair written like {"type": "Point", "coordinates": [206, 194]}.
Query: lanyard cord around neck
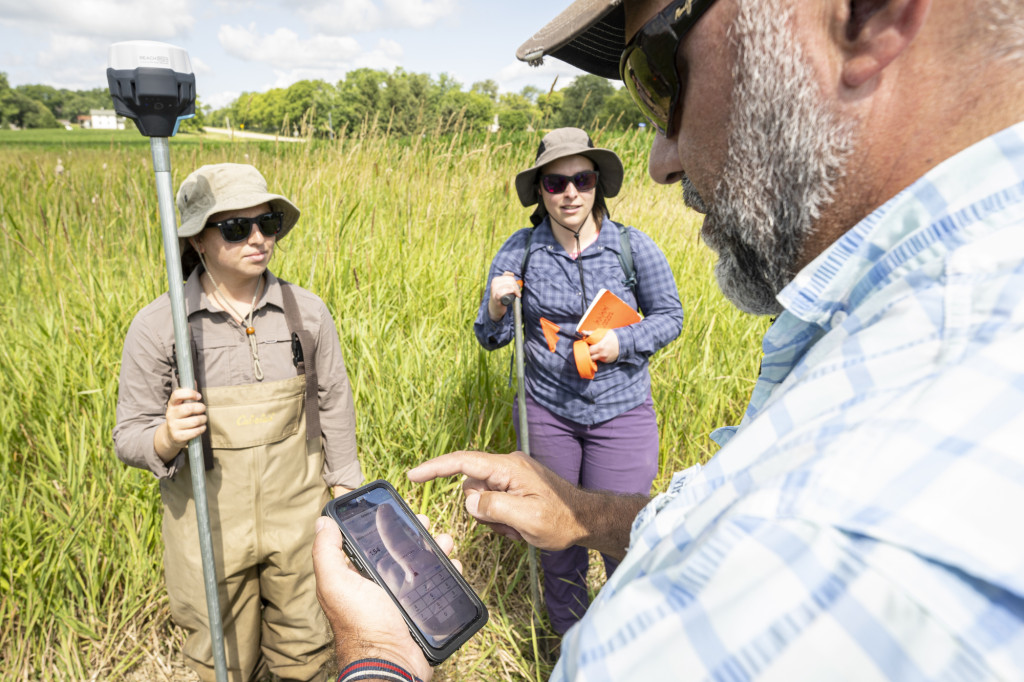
{"type": "Point", "coordinates": [584, 301]}
{"type": "Point", "coordinates": [250, 329]}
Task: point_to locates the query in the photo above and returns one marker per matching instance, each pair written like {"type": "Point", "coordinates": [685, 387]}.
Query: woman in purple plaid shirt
{"type": "Point", "coordinates": [602, 432]}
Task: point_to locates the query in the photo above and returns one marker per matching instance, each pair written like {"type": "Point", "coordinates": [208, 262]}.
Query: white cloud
{"type": "Point", "coordinates": [12, 59]}
{"type": "Point", "coordinates": [65, 49]}
{"type": "Point", "coordinates": [386, 57]}
{"type": "Point", "coordinates": [69, 61]}
{"type": "Point", "coordinates": [359, 16]}
{"type": "Point", "coordinates": [199, 67]}
{"type": "Point", "coordinates": [111, 19]}
{"type": "Point", "coordinates": [386, 49]}
{"type": "Point", "coordinates": [285, 50]}
{"type": "Point", "coordinates": [236, 6]}
{"type": "Point", "coordinates": [513, 77]}
{"type": "Point", "coordinates": [417, 13]}
{"type": "Point", "coordinates": [218, 100]}
{"type": "Point", "coordinates": [294, 58]}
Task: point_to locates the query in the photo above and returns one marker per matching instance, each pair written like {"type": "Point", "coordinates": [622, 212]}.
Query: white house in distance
{"type": "Point", "coordinates": [104, 119]}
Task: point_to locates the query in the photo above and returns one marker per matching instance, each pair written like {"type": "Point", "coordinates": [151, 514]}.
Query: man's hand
{"type": "Point", "coordinates": [365, 622]}
{"type": "Point", "coordinates": [524, 500]}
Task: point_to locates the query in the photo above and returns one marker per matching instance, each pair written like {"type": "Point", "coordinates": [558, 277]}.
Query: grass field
{"type": "Point", "coordinates": [396, 236]}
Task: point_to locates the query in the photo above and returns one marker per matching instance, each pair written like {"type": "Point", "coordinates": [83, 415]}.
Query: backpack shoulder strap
{"type": "Point", "coordinates": [526, 254]}
{"type": "Point", "coordinates": [626, 257]}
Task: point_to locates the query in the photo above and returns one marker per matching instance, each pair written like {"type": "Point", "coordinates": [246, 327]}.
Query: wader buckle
{"type": "Point", "coordinates": [296, 350]}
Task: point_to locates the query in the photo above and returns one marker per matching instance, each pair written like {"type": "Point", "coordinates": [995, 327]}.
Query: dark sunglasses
{"type": "Point", "coordinates": [556, 184]}
{"type": "Point", "coordinates": [236, 230]}
{"type": "Point", "coordinates": [648, 64]}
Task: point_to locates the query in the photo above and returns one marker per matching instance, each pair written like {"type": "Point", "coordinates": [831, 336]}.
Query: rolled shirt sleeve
{"type": "Point", "coordinates": [493, 334]}
{"type": "Point", "coordinates": [337, 409]}
{"type": "Point", "coordinates": [145, 384]}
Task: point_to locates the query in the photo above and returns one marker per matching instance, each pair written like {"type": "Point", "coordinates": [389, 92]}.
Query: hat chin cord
{"type": "Point", "coordinates": [578, 259]}
{"type": "Point", "coordinates": [246, 322]}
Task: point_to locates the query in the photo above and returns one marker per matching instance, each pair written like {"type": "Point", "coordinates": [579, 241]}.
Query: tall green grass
{"type": "Point", "coordinates": [396, 237]}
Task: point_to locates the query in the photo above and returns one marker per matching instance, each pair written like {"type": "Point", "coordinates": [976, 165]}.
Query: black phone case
{"type": "Point", "coordinates": [433, 654]}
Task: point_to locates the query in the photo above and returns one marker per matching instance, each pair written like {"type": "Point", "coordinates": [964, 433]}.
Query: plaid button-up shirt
{"type": "Point", "coordinates": [863, 522]}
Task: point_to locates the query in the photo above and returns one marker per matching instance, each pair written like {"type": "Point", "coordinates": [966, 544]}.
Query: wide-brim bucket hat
{"type": "Point", "coordinates": [564, 142]}
{"type": "Point", "coordinates": [220, 187]}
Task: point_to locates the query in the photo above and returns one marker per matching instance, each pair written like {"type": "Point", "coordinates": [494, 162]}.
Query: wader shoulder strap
{"type": "Point", "coordinates": [204, 439]}
{"type": "Point", "coordinates": [303, 357]}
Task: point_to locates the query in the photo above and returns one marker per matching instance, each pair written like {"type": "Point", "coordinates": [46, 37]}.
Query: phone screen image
{"type": "Point", "coordinates": [391, 544]}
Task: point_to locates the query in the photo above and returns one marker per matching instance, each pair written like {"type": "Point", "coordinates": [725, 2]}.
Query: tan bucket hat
{"type": "Point", "coordinates": [226, 187]}
{"type": "Point", "coordinates": [563, 142]}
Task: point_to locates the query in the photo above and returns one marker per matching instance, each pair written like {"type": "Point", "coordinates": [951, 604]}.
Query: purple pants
{"type": "Point", "coordinates": [619, 455]}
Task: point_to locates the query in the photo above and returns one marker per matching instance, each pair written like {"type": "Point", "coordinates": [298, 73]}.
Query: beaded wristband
{"type": "Point", "coordinates": [375, 669]}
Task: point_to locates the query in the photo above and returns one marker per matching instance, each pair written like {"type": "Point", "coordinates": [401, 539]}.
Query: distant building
{"type": "Point", "coordinates": [104, 119]}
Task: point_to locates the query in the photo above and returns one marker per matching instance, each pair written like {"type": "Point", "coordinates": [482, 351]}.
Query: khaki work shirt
{"type": "Point", "coordinates": [148, 365]}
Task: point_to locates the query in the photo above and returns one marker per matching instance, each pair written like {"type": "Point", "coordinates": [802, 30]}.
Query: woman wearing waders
{"type": "Point", "coordinates": [275, 414]}
{"type": "Point", "coordinates": [600, 432]}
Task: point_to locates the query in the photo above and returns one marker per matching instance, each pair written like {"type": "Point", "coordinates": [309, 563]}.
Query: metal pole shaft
{"type": "Point", "coordinates": [524, 437]}
{"type": "Point", "coordinates": [168, 225]}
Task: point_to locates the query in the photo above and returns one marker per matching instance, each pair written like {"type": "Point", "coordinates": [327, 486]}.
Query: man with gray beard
{"type": "Point", "coordinates": [860, 165]}
{"type": "Point", "coordinates": [786, 152]}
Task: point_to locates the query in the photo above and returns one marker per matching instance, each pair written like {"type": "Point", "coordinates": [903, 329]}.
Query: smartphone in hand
{"type": "Point", "coordinates": [388, 544]}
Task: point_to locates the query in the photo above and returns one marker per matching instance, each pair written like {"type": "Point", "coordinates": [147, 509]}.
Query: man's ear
{"type": "Point", "coordinates": [877, 32]}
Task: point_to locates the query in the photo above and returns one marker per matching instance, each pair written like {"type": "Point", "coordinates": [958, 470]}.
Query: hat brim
{"type": "Point", "coordinates": [605, 161]}
{"type": "Point", "coordinates": [589, 34]}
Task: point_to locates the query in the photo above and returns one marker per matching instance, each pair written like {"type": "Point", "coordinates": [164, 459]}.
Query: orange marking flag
{"type": "Point", "coordinates": [550, 333]}
{"type": "Point", "coordinates": [581, 352]}
{"type": "Point", "coordinates": [607, 311]}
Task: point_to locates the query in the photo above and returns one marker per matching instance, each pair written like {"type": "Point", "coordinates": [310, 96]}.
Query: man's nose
{"type": "Point", "coordinates": [663, 164]}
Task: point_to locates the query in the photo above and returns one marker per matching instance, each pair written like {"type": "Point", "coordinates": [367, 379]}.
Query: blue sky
{"type": "Point", "coordinates": [254, 45]}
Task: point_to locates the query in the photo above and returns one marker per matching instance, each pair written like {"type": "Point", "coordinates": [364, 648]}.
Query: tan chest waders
{"type": "Point", "coordinates": [265, 490]}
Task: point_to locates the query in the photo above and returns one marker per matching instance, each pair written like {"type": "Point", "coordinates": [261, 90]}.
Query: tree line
{"type": "Point", "coordinates": [405, 103]}
{"type": "Point", "coordinates": [42, 106]}
{"type": "Point", "coordinates": [399, 102]}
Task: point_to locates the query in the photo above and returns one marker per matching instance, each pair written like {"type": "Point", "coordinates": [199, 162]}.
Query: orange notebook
{"type": "Point", "coordinates": [607, 311]}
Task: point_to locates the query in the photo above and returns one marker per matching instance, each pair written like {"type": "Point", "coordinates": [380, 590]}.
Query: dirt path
{"type": "Point", "coordinates": [246, 134]}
